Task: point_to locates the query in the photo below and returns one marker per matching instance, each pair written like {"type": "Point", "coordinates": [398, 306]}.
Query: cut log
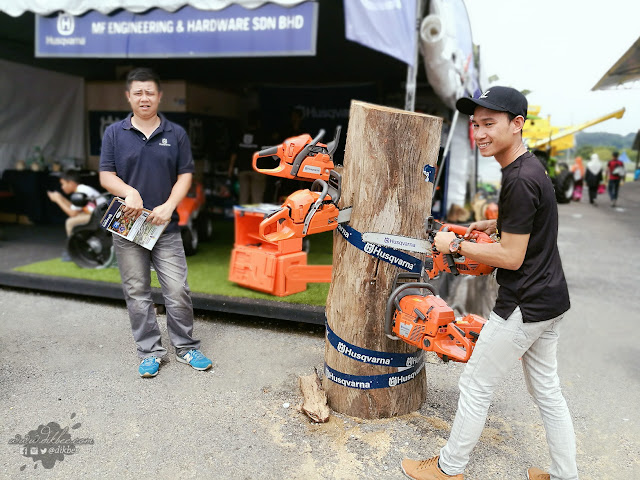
{"type": "Point", "coordinates": [315, 400]}
{"type": "Point", "coordinates": [386, 153]}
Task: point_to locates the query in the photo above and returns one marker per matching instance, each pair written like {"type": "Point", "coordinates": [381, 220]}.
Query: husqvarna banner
{"type": "Point", "coordinates": [388, 26]}
{"type": "Point", "coordinates": [270, 30]}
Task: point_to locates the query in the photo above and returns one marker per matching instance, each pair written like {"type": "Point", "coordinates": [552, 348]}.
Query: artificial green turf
{"type": "Point", "coordinates": [208, 269]}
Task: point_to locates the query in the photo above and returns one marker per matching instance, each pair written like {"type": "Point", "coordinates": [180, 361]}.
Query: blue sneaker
{"type": "Point", "coordinates": [149, 367]}
{"type": "Point", "coordinates": [196, 359]}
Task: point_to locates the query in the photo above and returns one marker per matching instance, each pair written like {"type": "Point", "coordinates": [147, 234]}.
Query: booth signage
{"type": "Point", "coordinates": [270, 30]}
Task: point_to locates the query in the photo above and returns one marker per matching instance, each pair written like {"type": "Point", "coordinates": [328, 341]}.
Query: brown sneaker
{"type": "Point", "coordinates": [537, 474]}
{"type": "Point", "coordinates": [426, 470]}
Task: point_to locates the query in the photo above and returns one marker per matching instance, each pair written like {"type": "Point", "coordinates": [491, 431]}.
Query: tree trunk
{"type": "Point", "coordinates": [386, 152]}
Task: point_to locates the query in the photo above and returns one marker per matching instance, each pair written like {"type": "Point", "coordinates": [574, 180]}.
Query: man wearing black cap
{"type": "Point", "coordinates": [532, 298]}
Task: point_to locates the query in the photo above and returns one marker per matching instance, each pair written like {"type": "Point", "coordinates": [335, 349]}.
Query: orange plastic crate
{"type": "Point", "coordinates": [263, 270]}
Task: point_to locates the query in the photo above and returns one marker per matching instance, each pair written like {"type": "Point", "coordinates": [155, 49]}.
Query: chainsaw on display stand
{"type": "Point", "coordinates": [301, 157]}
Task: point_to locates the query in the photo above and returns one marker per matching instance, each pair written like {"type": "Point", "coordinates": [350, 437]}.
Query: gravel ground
{"type": "Point", "coordinates": [72, 361]}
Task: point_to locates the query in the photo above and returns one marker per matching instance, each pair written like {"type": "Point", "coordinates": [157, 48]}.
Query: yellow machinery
{"type": "Point", "coordinates": [540, 134]}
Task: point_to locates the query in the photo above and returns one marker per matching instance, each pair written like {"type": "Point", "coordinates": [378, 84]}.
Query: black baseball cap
{"type": "Point", "coordinates": [501, 99]}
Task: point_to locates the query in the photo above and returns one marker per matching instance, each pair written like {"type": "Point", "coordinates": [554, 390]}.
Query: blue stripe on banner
{"type": "Point", "coordinates": [386, 359]}
{"type": "Point", "coordinates": [389, 255]}
{"type": "Point", "coordinates": [370, 382]}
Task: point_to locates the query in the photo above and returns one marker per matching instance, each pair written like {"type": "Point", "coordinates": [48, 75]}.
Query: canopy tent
{"type": "Point", "coordinates": [624, 71]}
{"type": "Point", "coordinates": [15, 8]}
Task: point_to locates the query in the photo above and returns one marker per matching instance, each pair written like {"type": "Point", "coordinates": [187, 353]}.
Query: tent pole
{"type": "Point", "coordinates": [412, 70]}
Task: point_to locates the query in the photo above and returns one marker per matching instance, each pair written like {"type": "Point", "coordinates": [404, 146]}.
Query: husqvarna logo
{"type": "Point", "coordinates": [66, 24]}
{"type": "Point", "coordinates": [164, 143]}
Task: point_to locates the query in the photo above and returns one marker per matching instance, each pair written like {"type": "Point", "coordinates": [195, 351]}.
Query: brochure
{"type": "Point", "coordinates": [136, 230]}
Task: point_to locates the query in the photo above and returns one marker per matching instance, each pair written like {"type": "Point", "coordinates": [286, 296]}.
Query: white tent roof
{"type": "Point", "coordinates": [625, 70]}
{"type": "Point", "coordinates": [16, 8]}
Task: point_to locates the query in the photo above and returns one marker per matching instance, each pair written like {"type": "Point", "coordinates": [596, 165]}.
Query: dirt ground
{"type": "Point", "coordinates": [71, 361]}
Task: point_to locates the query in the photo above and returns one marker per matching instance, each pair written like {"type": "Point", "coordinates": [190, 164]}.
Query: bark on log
{"type": "Point", "coordinates": [383, 180]}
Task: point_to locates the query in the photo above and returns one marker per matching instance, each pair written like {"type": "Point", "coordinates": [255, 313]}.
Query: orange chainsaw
{"type": "Point", "coordinates": [418, 316]}
{"type": "Point", "coordinates": [436, 262]}
{"type": "Point", "coordinates": [454, 263]}
{"type": "Point", "coordinates": [301, 157]}
{"type": "Point", "coordinates": [305, 212]}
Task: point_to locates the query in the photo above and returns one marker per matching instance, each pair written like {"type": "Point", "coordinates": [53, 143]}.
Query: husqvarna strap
{"type": "Point", "coordinates": [409, 365]}
{"type": "Point", "coordinates": [374, 357]}
{"type": "Point", "coordinates": [370, 382]}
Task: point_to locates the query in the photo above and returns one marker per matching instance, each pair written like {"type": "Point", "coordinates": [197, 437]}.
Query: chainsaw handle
{"type": "Point", "coordinates": [458, 334]}
{"type": "Point", "coordinates": [393, 304]}
{"type": "Point", "coordinates": [316, 205]}
{"type": "Point", "coordinates": [303, 153]}
{"type": "Point", "coordinates": [333, 144]}
{"type": "Point", "coordinates": [268, 151]}
{"type": "Point", "coordinates": [272, 220]}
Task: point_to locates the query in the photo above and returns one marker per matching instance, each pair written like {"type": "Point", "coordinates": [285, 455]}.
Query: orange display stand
{"type": "Point", "coordinates": [279, 268]}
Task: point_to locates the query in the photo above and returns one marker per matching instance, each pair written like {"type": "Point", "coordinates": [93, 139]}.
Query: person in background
{"type": "Point", "coordinates": [146, 160]}
{"type": "Point", "coordinates": [252, 183]}
{"type": "Point", "coordinates": [70, 183]}
{"type": "Point", "coordinates": [593, 177]}
{"type": "Point", "coordinates": [532, 300]}
{"type": "Point", "coordinates": [578, 176]}
{"type": "Point", "coordinates": [615, 173]}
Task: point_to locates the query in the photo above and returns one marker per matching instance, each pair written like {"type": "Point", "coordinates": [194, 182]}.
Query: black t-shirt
{"type": "Point", "coordinates": [527, 205]}
{"type": "Point", "coordinates": [250, 142]}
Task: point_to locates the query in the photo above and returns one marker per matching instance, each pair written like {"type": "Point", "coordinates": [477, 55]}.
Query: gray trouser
{"type": "Point", "coordinates": [170, 264]}
{"type": "Point", "coordinates": [500, 345]}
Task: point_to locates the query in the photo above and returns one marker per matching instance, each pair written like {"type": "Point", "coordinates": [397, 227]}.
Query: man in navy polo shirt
{"type": "Point", "coordinates": [146, 160]}
{"type": "Point", "coordinates": [531, 303]}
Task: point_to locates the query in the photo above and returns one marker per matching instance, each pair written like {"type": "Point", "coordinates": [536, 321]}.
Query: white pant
{"type": "Point", "coordinates": [501, 343]}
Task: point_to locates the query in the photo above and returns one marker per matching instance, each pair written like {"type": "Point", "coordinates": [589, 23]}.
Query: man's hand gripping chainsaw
{"type": "Point", "coordinates": [453, 263]}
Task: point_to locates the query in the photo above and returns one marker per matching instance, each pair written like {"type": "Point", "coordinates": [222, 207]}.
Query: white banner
{"type": "Point", "coordinates": [388, 26]}
{"type": "Point", "coordinates": [40, 108]}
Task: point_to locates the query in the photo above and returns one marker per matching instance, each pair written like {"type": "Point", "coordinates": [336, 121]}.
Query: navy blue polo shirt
{"type": "Point", "coordinates": [150, 165]}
